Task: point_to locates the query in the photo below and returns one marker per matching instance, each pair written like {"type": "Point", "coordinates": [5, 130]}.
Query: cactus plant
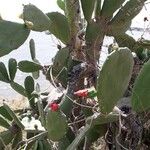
{"type": "Point", "coordinates": [140, 96]}
{"type": "Point", "coordinates": [33, 56]}
{"type": "Point", "coordinates": [113, 5]}
{"type": "Point", "coordinates": [32, 49]}
{"type": "Point", "coordinates": [13, 115]}
{"type": "Point", "coordinates": [53, 121]}
{"type": "Point", "coordinates": [4, 73]}
{"type": "Point", "coordinates": [61, 4]}
{"type": "Point", "coordinates": [6, 137]}
{"type": "Point", "coordinates": [9, 29]}
{"type": "Point", "coordinates": [35, 19]}
{"type": "Point", "coordinates": [110, 89]}
{"type": "Point", "coordinates": [28, 66]}
{"type": "Point", "coordinates": [12, 65]}
{"type": "Point", "coordinates": [59, 66]}
{"type": "Point", "coordinates": [4, 113]}
{"type": "Point", "coordinates": [4, 122]}
{"type": "Point", "coordinates": [59, 26]}
{"type": "Point", "coordinates": [88, 7]}
{"type": "Point", "coordinates": [29, 87]}
{"type": "Point", "coordinates": [17, 87]}
{"type": "Point", "coordinates": [74, 68]}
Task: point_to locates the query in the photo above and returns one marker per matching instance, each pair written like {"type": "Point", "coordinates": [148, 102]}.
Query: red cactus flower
{"type": "Point", "coordinates": [54, 106]}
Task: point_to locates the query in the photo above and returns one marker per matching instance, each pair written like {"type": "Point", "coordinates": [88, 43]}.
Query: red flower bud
{"type": "Point", "coordinates": [81, 93]}
{"type": "Point", "coordinates": [53, 106]}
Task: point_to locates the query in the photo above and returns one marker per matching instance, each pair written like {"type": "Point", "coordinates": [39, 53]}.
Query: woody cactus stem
{"type": "Point", "coordinates": [72, 11]}
{"type": "Point", "coordinates": [74, 76]}
{"type": "Point", "coordinates": [73, 80]}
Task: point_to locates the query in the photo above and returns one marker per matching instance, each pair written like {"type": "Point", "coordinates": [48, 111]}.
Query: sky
{"type": "Point", "coordinates": [11, 9]}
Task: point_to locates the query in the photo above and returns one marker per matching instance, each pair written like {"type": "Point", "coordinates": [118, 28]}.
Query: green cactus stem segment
{"type": "Point", "coordinates": [56, 124]}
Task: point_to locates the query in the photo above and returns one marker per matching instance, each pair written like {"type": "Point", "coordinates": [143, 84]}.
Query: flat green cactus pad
{"type": "Point", "coordinates": [12, 35]}
{"type": "Point", "coordinates": [59, 64]}
{"type": "Point", "coordinates": [35, 19]}
{"type": "Point", "coordinates": [141, 97]}
{"type": "Point", "coordinates": [88, 7]}
{"type": "Point", "coordinates": [56, 124]}
{"type": "Point", "coordinates": [4, 73]}
{"type": "Point", "coordinates": [128, 12]}
{"type": "Point", "coordinates": [114, 78]}
{"type": "Point", "coordinates": [109, 7]}
{"type": "Point", "coordinates": [59, 26]}
{"type": "Point", "coordinates": [12, 65]}
{"type": "Point", "coordinates": [29, 66]}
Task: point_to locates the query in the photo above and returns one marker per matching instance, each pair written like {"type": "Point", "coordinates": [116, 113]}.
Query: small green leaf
{"type": "Point", "coordinates": [140, 95]}
{"type": "Point", "coordinates": [3, 73]}
{"type": "Point", "coordinates": [18, 88]}
{"type": "Point", "coordinates": [29, 66]}
{"type": "Point", "coordinates": [12, 65]}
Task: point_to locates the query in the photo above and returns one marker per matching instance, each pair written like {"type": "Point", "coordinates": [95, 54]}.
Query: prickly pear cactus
{"type": "Point", "coordinates": [114, 78]}
{"type": "Point", "coordinates": [12, 65]}
{"type": "Point", "coordinates": [4, 73]}
{"type": "Point", "coordinates": [88, 7]}
{"type": "Point", "coordinates": [35, 19]}
{"type": "Point", "coordinates": [9, 40]}
{"type": "Point", "coordinates": [59, 26]}
{"type": "Point", "coordinates": [29, 66]}
{"type": "Point", "coordinates": [109, 7]}
{"type": "Point", "coordinates": [32, 49]}
{"type": "Point", "coordinates": [140, 96]}
{"type": "Point", "coordinates": [56, 124]}
{"type": "Point", "coordinates": [59, 67]}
